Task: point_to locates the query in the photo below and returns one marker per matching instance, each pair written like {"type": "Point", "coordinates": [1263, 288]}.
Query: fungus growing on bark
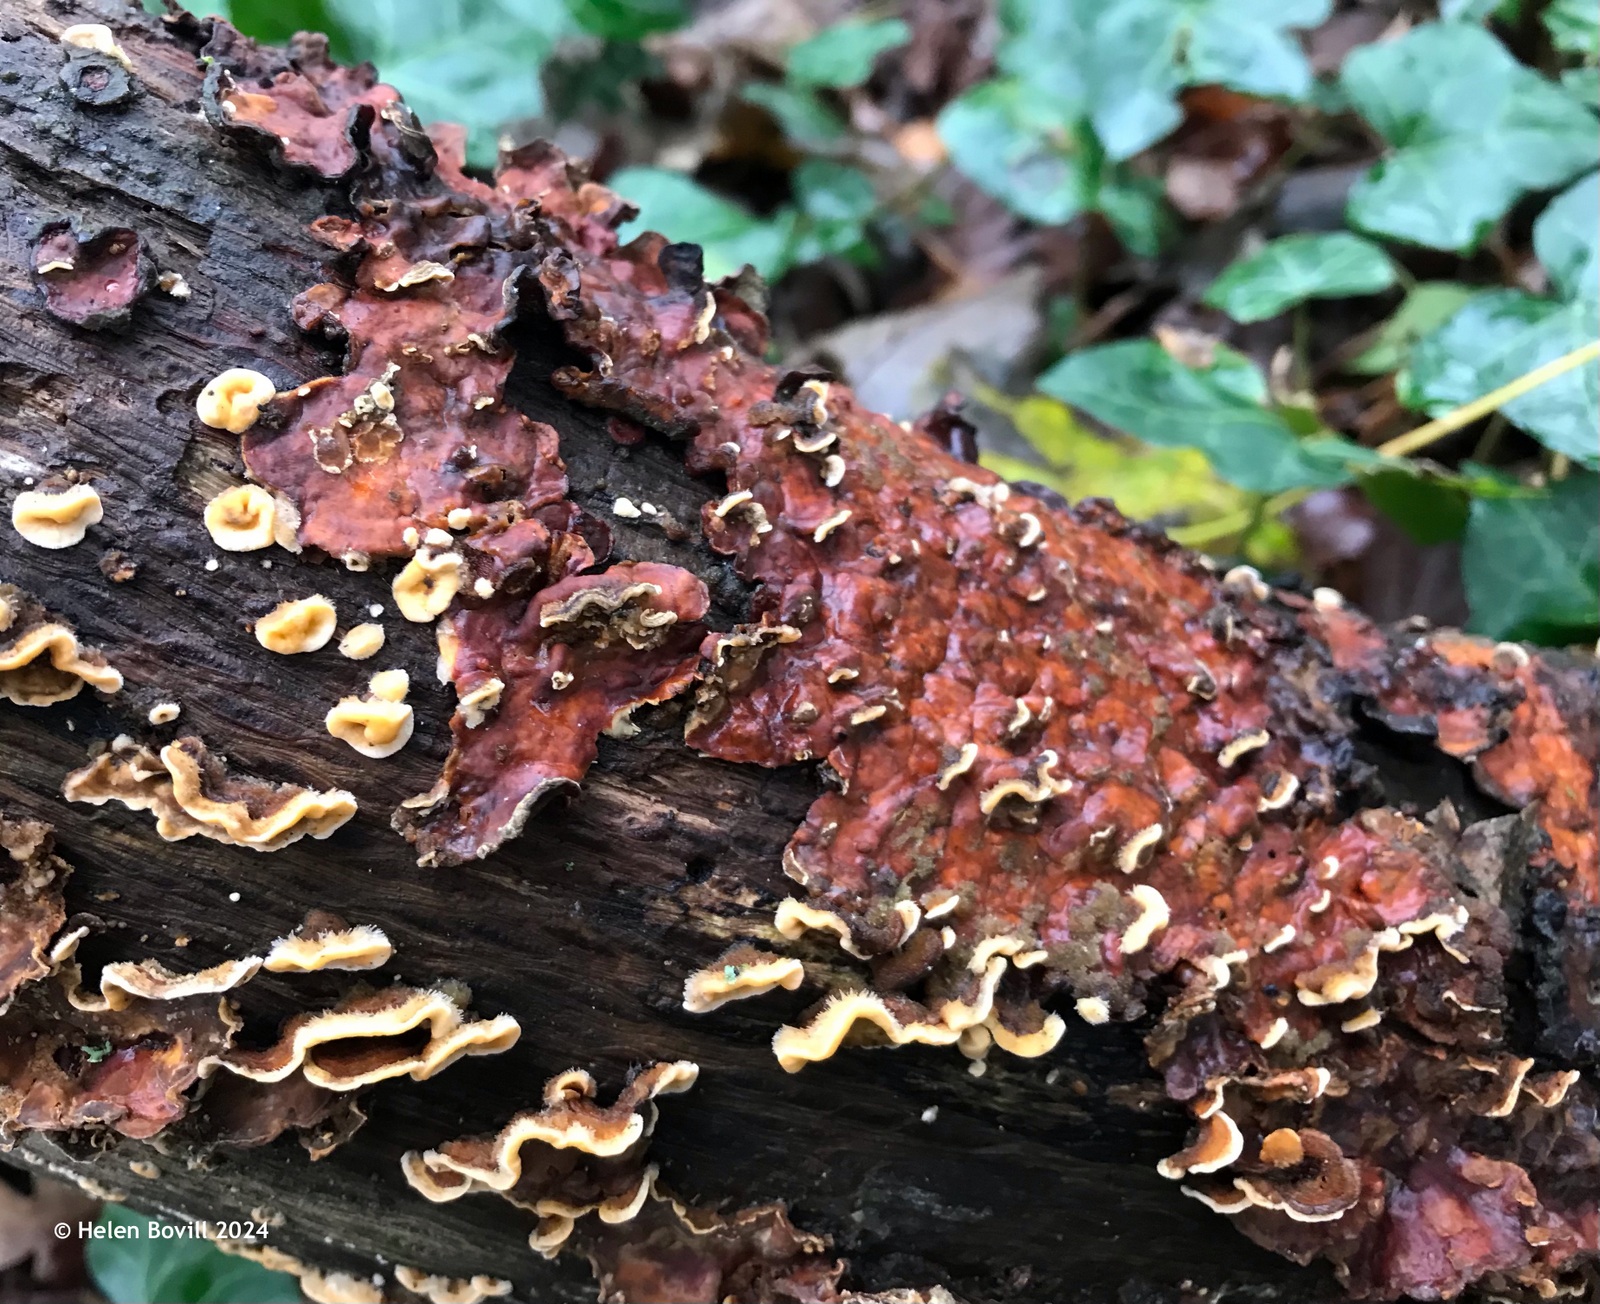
{"type": "Point", "coordinates": [297, 625]}
{"type": "Point", "coordinates": [1302, 1174]}
{"type": "Point", "coordinates": [126, 981]}
{"type": "Point", "coordinates": [164, 713]}
{"type": "Point", "coordinates": [362, 642]}
{"type": "Point", "coordinates": [571, 662]}
{"type": "Point", "coordinates": [370, 1036]}
{"type": "Point", "coordinates": [1217, 1144]}
{"type": "Point", "coordinates": [243, 519]}
{"type": "Point", "coordinates": [427, 584]}
{"type": "Point", "coordinates": [96, 37]}
{"type": "Point", "coordinates": [378, 723]}
{"type": "Point", "coordinates": [41, 660]}
{"type": "Point", "coordinates": [56, 518]}
{"type": "Point", "coordinates": [91, 281]}
{"type": "Point", "coordinates": [569, 1120]}
{"type": "Point", "coordinates": [438, 1289]}
{"type": "Point", "coordinates": [738, 973]}
{"type": "Point", "coordinates": [31, 909]}
{"type": "Point", "coordinates": [232, 401]}
{"type": "Point", "coordinates": [191, 792]}
{"type": "Point", "coordinates": [325, 941]}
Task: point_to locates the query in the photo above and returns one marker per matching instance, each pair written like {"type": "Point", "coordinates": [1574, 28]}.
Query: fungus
{"type": "Point", "coordinates": [794, 919]}
{"type": "Point", "coordinates": [1136, 848]}
{"type": "Point", "coordinates": [628, 637]}
{"type": "Point", "coordinates": [1369, 1018]}
{"type": "Point", "coordinates": [325, 941]}
{"type": "Point", "coordinates": [56, 519]}
{"type": "Point", "coordinates": [1217, 1144]}
{"type": "Point", "coordinates": [427, 584]}
{"type": "Point", "coordinates": [569, 1120]}
{"type": "Point", "coordinates": [1245, 743]}
{"type": "Point", "coordinates": [191, 792]}
{"type": "Point", "coordinates": [297, 625]}
{"type": "Point", "coordinates": [164, 713]}
{"type": "Point", "coordinates": [92, 281]}
{"type": "Point", "coordinates": [1153, 916]}
{"type": "Point", "coordinates": [31, 908]}
{"type": "Point", "coordinates": [41, 660]}
{"type": "Point", "coordinates": [233, 400]}
{"type": "Point", "coordinates": [1341, 980]}
{"type": "Point", "coordinates": [124, 982]}
{"type": "Point", "coordinates": [242, 519]}
{"type": "Point", "coordinates": [740, 972]}
{"type": "Point", "coordinates": [438, 1289]}
{"type": "Point", "coordinates": [363, 1039]}
{"type": "Point", "coordinates": [378, 723]}
{"type": "Point", "coordinates": [1303, 1174]}
{"type": "Point", "coordinates": [96, 37]}
{"type": "Point", "coordinates": [362, 642]}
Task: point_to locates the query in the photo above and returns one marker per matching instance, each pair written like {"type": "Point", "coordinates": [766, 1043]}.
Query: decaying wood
{"type": "Point", "coordinates": [1034, 1181]}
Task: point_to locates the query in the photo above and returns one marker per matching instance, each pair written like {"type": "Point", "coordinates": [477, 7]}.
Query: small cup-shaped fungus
{"type": "Point", "coordinates": [379, 723]}
{"type": "Point", "coordinates": [301, 625]}
{"type": "Point", "coordinates": [56, 519]}
{"type": "Point", "coordinates": [361, 641]}
{"type": "Point", "coordinates": [241, 519]}
{"type": "Point", "coordinates": [427, 584]}
{"type": "Point", "coordinates": [232, 401]}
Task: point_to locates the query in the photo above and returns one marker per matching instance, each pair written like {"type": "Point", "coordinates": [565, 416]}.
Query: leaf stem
{"type": "Point", "coordinates": [1467, 413]}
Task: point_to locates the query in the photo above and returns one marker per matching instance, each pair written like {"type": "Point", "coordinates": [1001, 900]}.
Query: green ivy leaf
{"type": "Point", "coordinates": [1567, 239]}
{"type": "Point", "coordinates": [1498, 336]}
{"type": "Point", "coordinates": [1295, 268]}
{"type": "Point", "coordinates": [836, 202]}
{"type": "Point", "coordinates": [1124, 63]}
{"type": "Point", "coordinates": [1427, 307]}
{"type": "Point", "coordinates": [805, 119]}
{"type": "Point", "coordinates": [844, 55]}
{"type": "Point", "coordinates": [1531, 565]}
{"type": "Point", "coordinates": [1583, 84]}
{"type": "Point", "coordinates": [146, 1268]}
{"type": "Point", "coordinates": [1137, 387]}
{"type": "Point", "coordinates": [1021, 150]}
{"type": "Point", "coordinates": [626, 20]}
{"type": "Point", "coordinates": [682, 209]}
{"type": "Point", "coordinates": [1429, 509]}
{"type": "Point", "coordinates": [1472, 131]}
{"type": "Point", "coordinates": [1574, 27]}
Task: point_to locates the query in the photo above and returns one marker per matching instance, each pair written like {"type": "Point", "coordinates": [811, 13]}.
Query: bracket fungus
{"type": "Point", "coordinates": [439, 1289]}
{"type": "Point", "coordinates": [364, 1039]}
{"type": "Point", "coordinates": [378, 723]}
{"type": "Point", "coordinates": [56, 518]}
{"type": "Point", "coordinates": [244, 519]}
{"type": "Point", "coordinates": [41, 660]}
{"type": "Point", "coordinates": [325, 941]}
{"type": "Point", "coordinates": [297, 625]}
{"type": "Point", "coordinates": [362, 642]}
{"type": "Point", "coordinates": [737, 974]}
{"type": "Point", "coordinates": [191, 792]}
{"type": "Point", "coordinates": [232, 401]}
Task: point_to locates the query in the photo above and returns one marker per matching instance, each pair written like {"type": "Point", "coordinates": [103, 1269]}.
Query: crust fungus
{"type": "Point", "coordinates": [191, 792]}
{"type": "Point", "coordinates": [56, 518]}
{"type": "Point", "coordinates": [233, 400]}
{"type": "Point", "coordinates": [297, 625]}
{"type": "Point", "coordinates": [92, 281]}
{"type": "Point", "coordinates": [572, 661]}
{"type": "Point", "coordinates": [41, 660]}
{"type": "Point", "coordinates": [31, 909]}
{"type": "Point", "coordinates": [325, 941]}
{"type": "Point", "coordinates": [378, 723]}
{"type": "Point", "coordinates": [738, 973]}
{"type": "Point", "coordinates": [1304, 1175]}
{"type": "Point", "coordinates": [370, 1036]}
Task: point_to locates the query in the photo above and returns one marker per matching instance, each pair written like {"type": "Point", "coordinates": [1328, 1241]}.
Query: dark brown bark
{"type": "Point", "coordinates": [1034, 1182]}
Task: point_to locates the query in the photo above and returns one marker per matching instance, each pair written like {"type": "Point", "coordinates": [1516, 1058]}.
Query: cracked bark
{"type": "Point", "coordinates": [1034, 1182]}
